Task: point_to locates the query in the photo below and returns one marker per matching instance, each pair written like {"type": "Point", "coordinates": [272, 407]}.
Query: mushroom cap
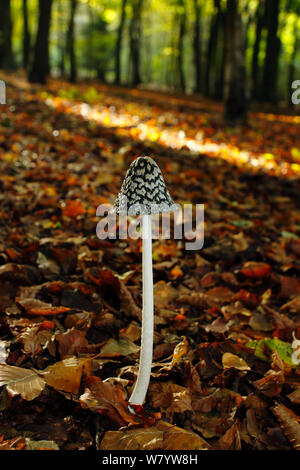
{"type": "Point", "coordinates": [144, 190]}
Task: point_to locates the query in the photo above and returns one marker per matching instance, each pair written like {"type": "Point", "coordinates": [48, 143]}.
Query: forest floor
{"type": "Point", "coordinates": [226, 359]}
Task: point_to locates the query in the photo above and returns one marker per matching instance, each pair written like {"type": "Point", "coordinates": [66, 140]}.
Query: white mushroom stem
{"type": "Point", "coordinates": [143, 378]}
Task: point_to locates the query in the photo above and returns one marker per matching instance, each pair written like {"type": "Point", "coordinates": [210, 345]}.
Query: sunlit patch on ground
{"type": "Point", "coordinates": [250, 147]}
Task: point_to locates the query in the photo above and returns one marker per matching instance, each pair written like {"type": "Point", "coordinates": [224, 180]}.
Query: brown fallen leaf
{"type": "Point", "coordinates": [231, 360]}
{"type": "Point", "coordinates": [134, 439]}
{"type": "Point", "coordinates": [122, 347]}
{"type": "Point", "coordinates": [293, 305]}
{"type": "Point", "coordinates": [105, 398]}
{"type": "Point", "coordinates": [219, 295]}
{"type": "Point", "coordinates": [34, 339]}
{"type": "Point", "coordinates": [176, 438]}
{"type": "Point", "coordinates": [132, 332]}
{"type": "Point", "coordinates": [171, 397]}
{"type": "Point", "coordinates": [214, 297]}
{"type": "Point", "coordinates": [208, 425]}
{"type": "Point", "coordinates": [255, 270]}
{"type": "Point", "coordinates": [289, 286]}
{"type": "Point", "coordinates": [40, 445]}
{"type": "Point", "coordinates": [14, 273]}
{"type": "Point", "coordinates": [37, 307]}
{"type": "Point", "coordinates": [164, 294]}
{"type": "Point", "coordinates": [66, 375]}
{"type": "Point", "coordinates": [20, 381]}
{"type": "Point", "coordinates": [16, 443]}
{"type": "Point", "coordinates": [289, 424]}
{"type": "Point", "coordinates": [295, 396]}
{"type": "Point", "coordinates": [231, 440]}
{"type": "Point", "coordinates": [162, 436]}
{"type": "Point", "coordinates": [70, 342]}
{"type": "Point", "coordinates": [271, 384]}
{"type": "Point", "coordinates": [218, 326]}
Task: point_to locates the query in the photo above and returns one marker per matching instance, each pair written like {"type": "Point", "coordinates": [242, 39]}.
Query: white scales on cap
{"type": "Point", "coordinates": [144, 191]}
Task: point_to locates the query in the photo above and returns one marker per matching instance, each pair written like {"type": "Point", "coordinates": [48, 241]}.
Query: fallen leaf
{"type": "Point", "coordinates": [122, 347]}
{"type": "Point", "coordinates": [19, 381]}
{"type": "Point", "coordinates": [179, 351]}
{"type": "Point", "coordinates": [295, 396]}
{"type": "Point", "coordinates": [37, 307]}
{"type": "Point", "coordinates": [40, 445]}
{"type": "Point", "coordinates": [289, 287]}
{"type": "Point", "coordinates": [231, 360]}
{"type": "Point", "coordinates": [34, 339]}
{"type": "Point", "coordinates": [271, 384]}
{"type": "Point", "coordinates": [73, 208]}
{"type": "Point", "coordinates": [171, 397]}
{"type": "Point", "coordinates": [16, 443]}
{"type": "Point", "coordinates": [293, 305]}
{"type": "Point", "coordinates": [70, 342]}
{"type": "Point", "coordinates": [104, 398]}
{"type": "Point", "coordinates": [134, 439]}
{"type": "Point", "coordinates": [264, 348]}
{"type": "Point", "coordinates": [255, 270]}
{"type": "Point", "coordinates": [231, 439]}
{"type": "Point", "coordinates": [289, 424]}
{"type": "Point", "coordinates": [162, 436]}
{"type": "Point", "coordinates": [66, 375]}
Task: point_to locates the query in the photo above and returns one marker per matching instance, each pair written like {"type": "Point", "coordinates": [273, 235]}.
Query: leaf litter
{"type": "Point", "coordinates": [225, 371]}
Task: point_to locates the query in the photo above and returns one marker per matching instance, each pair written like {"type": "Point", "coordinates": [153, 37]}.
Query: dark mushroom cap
{"type": "Point", "coordinates": [144, 190]}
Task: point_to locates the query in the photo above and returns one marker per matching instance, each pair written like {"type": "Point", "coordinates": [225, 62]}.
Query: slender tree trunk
{"type": "Point", "coordinates": [181, 33]}
{"type": "Point", "coordinates": [26, 36]}
{"type": "Point", "coordinates": [216, 22]}
{"type": "Point", "coordinates": [40, 66]}
{"type": "Point", "coordinates": [118, 48]}
{"type": "Point", "coordinates": [272, 52]}
{"type": "Point", "coordinates": [197, 48]}
{"type": "Point", "coordinates": [255, 69]}
{"type": "Point", "coordinates": [6, 56]}
{"type": "Point", "coordinates": [236, 102]}
{"type": "Point", "coordinates": [292, 65]}
{"type": "Point", "coordinates": [70, 42]}
{"type": "Point", "coordinates": [220, 60]}
{"type": "Point", "coordinates": [62, 39]}
{"type": "Point", "coordinates": [135, 40]}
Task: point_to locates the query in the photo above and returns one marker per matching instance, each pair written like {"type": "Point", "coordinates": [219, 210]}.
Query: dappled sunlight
{"type": "Point", "coordinates": [241, 146]}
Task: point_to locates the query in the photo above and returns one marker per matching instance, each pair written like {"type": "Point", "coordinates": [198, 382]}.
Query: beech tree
{"type": "Point", "coordinates": [40, 67]}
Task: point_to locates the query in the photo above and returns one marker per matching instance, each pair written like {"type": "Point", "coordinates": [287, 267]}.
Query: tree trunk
{"type": "Point", "coordinates": [181, 33]}
{"type": "Point", "coordinates": [6, 56]}
{"type": "Point", "coordinates": [216, 22]}
{"type": "Point", "coordinates": [135, 40]}
{"type": "Point", "coordinates": [70, 43]}
{"type": "Point", "coordinates": [272, 52]}
{"type": "Point", "coordinates": [220, 59]}
{"type": "Point", "coordinates": [197, 48]}
{"type": "Point", "coordinates": [118, 48]}
{"type": "Point", "coordinates": [235, 95]}
{"type": "Point", "coordinates": [62, 52]}
{"type": "Point", "coordinates": [255, 70]}
{"type": "Point", "coordinates": [26, 36]}
{"type": "Point", "coordinates": [40, 67]}
{"type": "Point", "coordinates": [292, 65]}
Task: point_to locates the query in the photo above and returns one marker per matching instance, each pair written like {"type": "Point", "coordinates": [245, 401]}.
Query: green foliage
{"type": "Point", "coordinates": [265, 347]}
{"type": "Point", "coordinates": [96, 25]}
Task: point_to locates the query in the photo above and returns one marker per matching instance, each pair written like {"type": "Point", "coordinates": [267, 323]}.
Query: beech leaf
{"type": "Point", "coordinates": [231, 360]}
{"type": "Point", "coordinates": [19, 381]}
{"type": "Point", "coordinates": [289, 424]}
